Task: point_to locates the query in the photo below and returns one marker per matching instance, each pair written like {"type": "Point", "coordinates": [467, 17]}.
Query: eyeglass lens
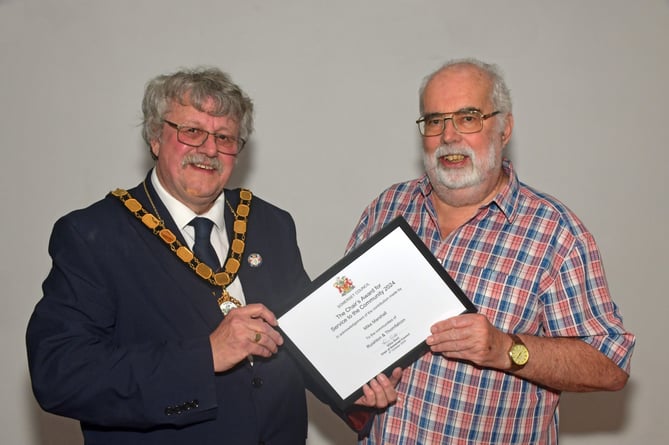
{"type": "Point", "coordinates": [196, 137]}
{"type": "Point", "coordinates": [463, 121]}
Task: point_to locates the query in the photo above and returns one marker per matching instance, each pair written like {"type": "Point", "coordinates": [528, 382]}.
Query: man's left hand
{"type": "Point", "coordinates": [470, 337]}
{"type": "Point", "coordinates": [380, 391]}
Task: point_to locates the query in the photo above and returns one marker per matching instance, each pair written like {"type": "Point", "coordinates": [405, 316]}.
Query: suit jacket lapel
{"type": "Point", "coordinates": [249, 286]}
{"type": "Point", "coordinates": [139, 193]}
{"type": "Point", "coordinates": [190, 286]}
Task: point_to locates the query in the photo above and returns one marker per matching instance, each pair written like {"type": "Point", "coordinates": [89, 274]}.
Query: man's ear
{"type": "Point", "coordinates": [155, 148]}
{"type": "Point", "coordinates": [508, 129]}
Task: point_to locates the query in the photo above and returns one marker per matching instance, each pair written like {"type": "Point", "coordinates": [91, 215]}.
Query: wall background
{"type": "Point", "coordinates": [335, 85]}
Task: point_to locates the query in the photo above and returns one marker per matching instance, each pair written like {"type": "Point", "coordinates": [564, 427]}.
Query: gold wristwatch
{"type": "Point", "coordinates": [518, 353]}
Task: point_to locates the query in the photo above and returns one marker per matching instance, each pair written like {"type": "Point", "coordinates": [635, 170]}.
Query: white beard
{"type": "Point", "coordinates": [447, 182]}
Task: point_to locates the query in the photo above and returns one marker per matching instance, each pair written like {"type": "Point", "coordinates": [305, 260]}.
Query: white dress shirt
{"type": "Point", "coordinates": [182, 216]}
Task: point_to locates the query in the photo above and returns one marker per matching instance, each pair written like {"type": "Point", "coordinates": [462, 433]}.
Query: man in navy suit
{"type": "Point", "coordinates": [144, 334]}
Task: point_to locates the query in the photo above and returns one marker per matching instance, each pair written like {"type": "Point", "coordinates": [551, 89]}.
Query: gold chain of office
{"type": "Point", "coordinates": [232, 263]}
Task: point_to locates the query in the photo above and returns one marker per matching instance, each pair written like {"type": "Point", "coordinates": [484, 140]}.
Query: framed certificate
{"type": "Point", "coordinates": [370, 312]}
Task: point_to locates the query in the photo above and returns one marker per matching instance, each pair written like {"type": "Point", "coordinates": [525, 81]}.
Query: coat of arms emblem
{"type": "Point", "coordinates": [344, 285]}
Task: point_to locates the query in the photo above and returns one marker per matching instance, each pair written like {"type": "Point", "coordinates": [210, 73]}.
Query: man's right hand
{"type": "Point", "coordinates": [245, 331]}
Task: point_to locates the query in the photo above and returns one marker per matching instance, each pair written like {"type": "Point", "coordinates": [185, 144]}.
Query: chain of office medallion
{"type": "Point", "coordinates": [232, 263]}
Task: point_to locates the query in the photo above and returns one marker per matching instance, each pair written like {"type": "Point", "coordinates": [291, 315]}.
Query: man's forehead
{"type": "Point", "coordinates": [457, 88]}
{"type": "Point", "coordinates": [460, 111]}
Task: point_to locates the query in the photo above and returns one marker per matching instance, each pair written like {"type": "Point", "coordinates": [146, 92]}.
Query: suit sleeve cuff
{"type": "Point", "coordinates": [360, 420]}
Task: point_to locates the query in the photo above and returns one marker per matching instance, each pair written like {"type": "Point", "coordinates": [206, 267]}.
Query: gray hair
{"type": "Point", "coordinates": [195, 87]}
{"type": "Point", "coordinates": [500, 96]}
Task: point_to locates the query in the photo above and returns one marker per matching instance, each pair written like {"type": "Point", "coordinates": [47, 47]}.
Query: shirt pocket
{"type": "Point", "coordinates": [505, 299]}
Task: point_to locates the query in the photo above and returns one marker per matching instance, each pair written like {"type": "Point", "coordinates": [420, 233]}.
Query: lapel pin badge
{"type": "Point", "coordinates": [254, 260]}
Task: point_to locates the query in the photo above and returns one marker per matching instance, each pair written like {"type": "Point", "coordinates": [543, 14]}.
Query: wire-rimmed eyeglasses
{"type": "Point", "coordinates": [196, 137]}
{"type": "Point", "coordinates": [464, 122]}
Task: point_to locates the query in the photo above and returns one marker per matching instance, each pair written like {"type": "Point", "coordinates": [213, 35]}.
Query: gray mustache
{"type": "Point", "coordinates": [200, 159]}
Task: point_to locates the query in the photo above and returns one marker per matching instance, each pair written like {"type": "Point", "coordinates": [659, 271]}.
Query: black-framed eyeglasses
{"type": "Point", "coordinates": [464, 122]}
{"type": "Point", "coordinates": [196, 137]}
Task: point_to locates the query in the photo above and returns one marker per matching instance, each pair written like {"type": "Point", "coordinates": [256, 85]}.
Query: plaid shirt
{"type": "Point", "coordinates": [530, 266]}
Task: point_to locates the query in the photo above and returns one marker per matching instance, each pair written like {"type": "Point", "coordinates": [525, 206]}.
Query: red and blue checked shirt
{"type": "Point", "coordinates": [530, 266]}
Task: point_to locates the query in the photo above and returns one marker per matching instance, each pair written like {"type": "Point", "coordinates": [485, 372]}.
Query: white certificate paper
{"type": "Point", "coordinates": [371, 311]}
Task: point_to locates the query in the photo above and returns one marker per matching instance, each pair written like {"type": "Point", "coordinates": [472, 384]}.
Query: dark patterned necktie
{"type": "Point", "coordinates": [202, 248]}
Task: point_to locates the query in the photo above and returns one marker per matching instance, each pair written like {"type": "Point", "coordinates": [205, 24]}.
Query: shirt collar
{"type": "Point", "coordinates": [180, 213]}
{"type": "Point", "coordinates": [507, 198]}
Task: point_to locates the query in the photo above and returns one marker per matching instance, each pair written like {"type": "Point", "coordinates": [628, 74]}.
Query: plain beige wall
{"type": "Point", "coordinates": [335, 85]}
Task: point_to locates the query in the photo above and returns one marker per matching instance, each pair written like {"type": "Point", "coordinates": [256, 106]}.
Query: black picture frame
{"type": "Point", "coordinates": [419, 349]}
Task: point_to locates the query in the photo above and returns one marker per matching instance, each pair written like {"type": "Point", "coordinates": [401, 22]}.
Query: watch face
{"type": "Point", "coordinates": [519, 354]}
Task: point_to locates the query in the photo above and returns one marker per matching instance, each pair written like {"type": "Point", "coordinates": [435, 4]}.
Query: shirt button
{"type": "Point", "coordinates": [257, 382]}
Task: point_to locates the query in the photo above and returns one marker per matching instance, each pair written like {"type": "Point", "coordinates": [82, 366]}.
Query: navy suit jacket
{"type": "Point", "coordinates": [120, 338]}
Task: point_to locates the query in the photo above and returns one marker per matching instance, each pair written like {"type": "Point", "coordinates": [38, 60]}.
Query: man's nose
{"type": "Point", "coordinates": [209, 146]}
{"type": "Point", "coordinates": [450, 134]}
